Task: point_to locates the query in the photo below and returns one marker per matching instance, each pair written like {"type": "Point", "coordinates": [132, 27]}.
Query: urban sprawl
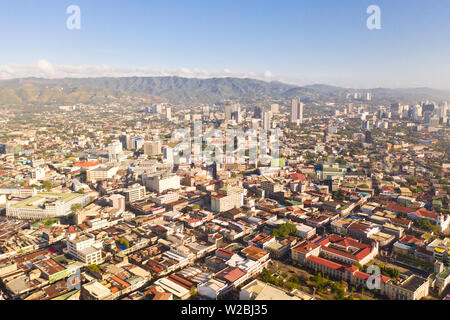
{"type": "Point", "coordinates": [143, 200]}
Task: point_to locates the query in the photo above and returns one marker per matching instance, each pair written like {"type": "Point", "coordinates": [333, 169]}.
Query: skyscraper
{"type": "Point", "coordinates": [257, 113]}
{"type": "Point", "coordinates": [267, 120]}
{"type": "Point", "coordinates": [296, 111]}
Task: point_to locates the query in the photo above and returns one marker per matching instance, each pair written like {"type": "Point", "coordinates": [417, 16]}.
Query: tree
{"type": "Point", "coordinates": [76, 208]}
{"type": "Point", "coordinates": [285, 230]}
{"type": "Point", "coordinates": [47, 185]}
{"type": "Point", "coordinates": [124, 242]}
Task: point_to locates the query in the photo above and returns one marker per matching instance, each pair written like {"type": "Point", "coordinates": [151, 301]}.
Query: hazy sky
{"type": "Point", "coordinates": [298, 41]}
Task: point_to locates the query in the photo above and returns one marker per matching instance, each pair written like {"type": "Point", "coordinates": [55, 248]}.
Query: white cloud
{"type": "Point", "coordinates": [44, 69]}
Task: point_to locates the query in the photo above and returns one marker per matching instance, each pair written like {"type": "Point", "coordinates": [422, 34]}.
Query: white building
{"type": "Point", "coordinates": [134, 193]}
{"type": "Point", "coordinates": [81, 246]}
{"type": "Point", "coordinates": [161, 182]}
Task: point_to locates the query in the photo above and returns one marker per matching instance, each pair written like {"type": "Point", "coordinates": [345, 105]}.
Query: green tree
{"type": "Point", "coordinates": [285, 230]}
{"type": "Point", "coordinates": [76, 208]}
{"type": "Point", "coordinates": [47, 185]}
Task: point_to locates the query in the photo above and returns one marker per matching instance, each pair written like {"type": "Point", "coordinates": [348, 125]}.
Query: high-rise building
{"type": "Point", "coordinates": [152, 148]}
{"type": "Point", "coordinates": [275, 108]}
{"type": "Point", "coordinates": [267, 120]}
{"type": "Point", "coordinates": [228, 111]}
{"type": "Point", "coordinates": [157, 108]}
{"type": "Point", "coordinates": [296, 111]}
{"type": "Point", "coordinates": [168, 154]}
{"type": "Point", "coordinates": [368, 137]}
{"type": "Point", "coordinates": [114, 149]}
{"type": "Point", "coordinates": [257, 113]}
{"type": "Point", "coordinates": [351, 107]}
{"type": "Point", "coordinates": [168, 113]}
{"type": "Point", "coordinates": [134, 193]}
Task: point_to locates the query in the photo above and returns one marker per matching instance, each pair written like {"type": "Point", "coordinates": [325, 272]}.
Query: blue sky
{"type": "Point", "coordinates": [297, 41]}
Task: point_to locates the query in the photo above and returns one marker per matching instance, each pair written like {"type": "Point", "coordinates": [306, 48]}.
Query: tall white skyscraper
{"type": "Point", "coordinates": [296, 111]}
{"type": "Point", "coordinates": [267, 120]}
{"type": "Point", "coordinates": [168, 154]}
{"type": "Point", "coordinates": [168, 113]}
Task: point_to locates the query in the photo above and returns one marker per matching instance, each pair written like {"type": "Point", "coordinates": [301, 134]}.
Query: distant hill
{"type": "Point", "coordinates": [190, 91]}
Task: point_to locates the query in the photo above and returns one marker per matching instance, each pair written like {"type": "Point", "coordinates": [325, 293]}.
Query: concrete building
{"type": "Point", "coordinates": [81, 246]}
{"type": "Point", "coordinates": [45, 205]}
{"type": "Point", "coordinates": [227, 199]}
{"type": "Point", "coordinates": [161, 182]}
{"type": "Point", "coordinates": [101, 173]}
{"type": "Point", "coordinates": [152, 148]}
{"type": "Point", "coordinates": [134, 193]}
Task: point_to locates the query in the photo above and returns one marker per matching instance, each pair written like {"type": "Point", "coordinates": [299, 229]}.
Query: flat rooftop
{"type": "Point", "coordinates": [413, 283]}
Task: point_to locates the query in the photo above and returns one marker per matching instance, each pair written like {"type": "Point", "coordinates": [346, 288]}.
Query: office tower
{"type": "Point", "coordinates": [134, 193]}
{"type": "Point", "coordinates": [228, 112]}
{"type": "Point", "coordinates": [168, 113]}
{"type": "Point", "coordinates": [257, 112]}
{"type": "Point", "coordinates": [417, 112]}
{"type": "Point", "coordinates": [296, 111]}
{"type": "Point", "coordinates": [126, 141]}
{"type": "Point", "coordinates": [168, 154]}
{"type": "Point", "coordinates": [397, 110]}
{"type": "Point", "coordinates": [368, 137]}
{"type": "Point", "coordinates": [137, 143]}
{"type": "Point", "coordinates": [443, 110]}
{"type": "Point", "coordinates": [368, 96]}
{"type": "Point", "coordinates": [114, 149]}
{"type": "Point", "coordinates": [157, 109]}
{"type": "Point", "coordinates": [205, 111]}
{"type": "Point", "coordinates": [275, 108]}
{"type": "Point", "coordinates": [434, 121]}
{"type": "Point", "coordinates": [2, 148]}
{"type": "Point", "coordinates": [365, 125]}
{"type": "Point", "coordinates": [152, 148]}
{"type": "Point", "coordinates": [351, 107]}
{"type": "Point", "coordinates": [237, 114]}
{"type": "Point", "coordinates": [267, 120]}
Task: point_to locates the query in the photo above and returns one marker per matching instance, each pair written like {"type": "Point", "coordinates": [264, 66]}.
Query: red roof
{"type": "Point", "coordinates": [422, 212]}
{"type": "Point", "coordinates": [224, 252]}
{"type": "Point", "coordinates": [325, 262]}
{"type": "Point", "coordinates": [298, 177]}
{"type": "Point", "coordinates": [231, 274]}
{"type": "Point", "coordinates": [86, 164]}
{"type": "Point", "coordinates": [305, 247]}
{"type": "Point", "coordinates": [396, 207]}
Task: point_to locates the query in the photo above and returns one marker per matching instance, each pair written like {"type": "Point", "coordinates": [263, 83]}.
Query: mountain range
{"type": "Point", "coordinates": [192, 91]}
